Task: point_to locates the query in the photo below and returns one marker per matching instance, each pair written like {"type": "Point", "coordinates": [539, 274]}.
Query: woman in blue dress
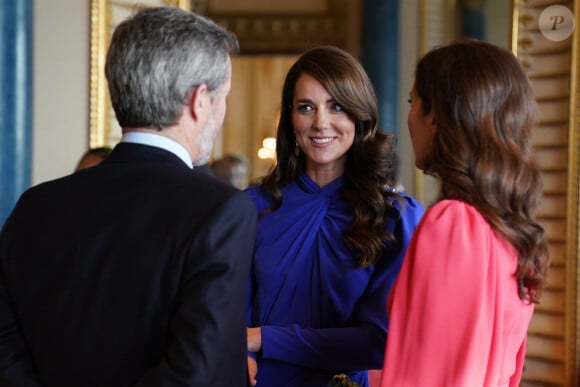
{"type": "Point", "coordinates": [331, 234]}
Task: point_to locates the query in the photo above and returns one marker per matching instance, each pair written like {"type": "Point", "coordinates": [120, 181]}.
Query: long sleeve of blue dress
{"type": "Point", "coordinates": [319, 311]}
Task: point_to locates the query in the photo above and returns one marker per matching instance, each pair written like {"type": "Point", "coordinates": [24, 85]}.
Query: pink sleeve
{"type": "Point", "coordinates": [442, 306]}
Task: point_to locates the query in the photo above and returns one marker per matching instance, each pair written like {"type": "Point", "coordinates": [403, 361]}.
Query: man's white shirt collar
{"type": "Point", "coordinates": [152, 139]}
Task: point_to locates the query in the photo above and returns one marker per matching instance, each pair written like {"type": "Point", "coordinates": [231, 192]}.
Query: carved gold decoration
{"type": "Point", "coordinates": [284, 30]}
{"type": "Point", "coordinates": [573, 216]}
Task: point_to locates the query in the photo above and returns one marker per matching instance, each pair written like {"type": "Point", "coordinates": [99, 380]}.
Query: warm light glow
{"type": "Point", "coordinates": [264, 153]}
{"type": "Point", "coordinates": [269, 143]}
{"type": "Point", "coordinates": [268, 151]}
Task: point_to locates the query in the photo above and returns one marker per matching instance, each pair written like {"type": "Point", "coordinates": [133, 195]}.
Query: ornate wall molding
{"type": "Point", "coordinates": [285, 30]}
{"type": "Point", "coordinates": [284, 33]}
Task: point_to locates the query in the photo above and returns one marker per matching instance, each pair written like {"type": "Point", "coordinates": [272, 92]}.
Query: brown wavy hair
{"type": "Point", "coordinates": [371, 160]}
{"type": "Point", "coordinates": [484, 112]}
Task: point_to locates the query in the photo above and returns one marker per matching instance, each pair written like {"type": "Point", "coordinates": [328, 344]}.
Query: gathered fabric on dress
{"type": "Point", "coordinates": [320, 312]}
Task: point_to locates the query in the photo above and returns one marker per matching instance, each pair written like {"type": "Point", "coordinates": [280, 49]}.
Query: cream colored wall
{"type": "Point", "coordinates": [61, 79]}
{"type": "Point", "coordinates": [253, 108]}
{"type": "Point", "coordinates": [408, 55]}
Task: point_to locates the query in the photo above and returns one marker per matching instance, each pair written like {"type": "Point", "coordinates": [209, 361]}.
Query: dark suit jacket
{"type": "Point", "coordinates": [133, 272]}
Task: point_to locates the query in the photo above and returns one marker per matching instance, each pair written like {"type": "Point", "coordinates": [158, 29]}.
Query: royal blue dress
{"type": "Point", "coordinates": [320, 312]}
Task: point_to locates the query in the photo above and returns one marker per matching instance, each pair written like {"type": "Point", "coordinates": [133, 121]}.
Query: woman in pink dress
{"type": "Point", "coordinates": [462, 303]}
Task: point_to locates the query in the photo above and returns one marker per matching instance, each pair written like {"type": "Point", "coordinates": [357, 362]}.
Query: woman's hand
{"type": "Point", "coordinates": [252, 370]}
{"type": "Point", "coordinates": [254, 339]}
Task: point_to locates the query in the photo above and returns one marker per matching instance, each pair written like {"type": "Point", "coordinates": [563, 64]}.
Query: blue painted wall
{"type": "Point", "coordinates": [379, 56]}
{"type": "Point", "coordinates": [16, 47]}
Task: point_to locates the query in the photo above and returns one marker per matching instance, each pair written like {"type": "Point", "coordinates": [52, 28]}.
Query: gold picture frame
{"type": "Point", "coordinates": [105, 15]}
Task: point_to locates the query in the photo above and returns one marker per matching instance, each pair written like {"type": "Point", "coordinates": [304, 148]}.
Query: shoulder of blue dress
{"type": "Point", "coordinates": [407, 204]}
{"type": "Point", "coordinates": [261, 198]}
{"type": "Point", "coordinates": [253, 192]}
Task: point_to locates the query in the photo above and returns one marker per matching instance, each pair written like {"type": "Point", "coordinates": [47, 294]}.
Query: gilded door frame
{"type": "Point", "coordinates": [573, 278]}
{"type": "Point", "coordinates": [101, 117]}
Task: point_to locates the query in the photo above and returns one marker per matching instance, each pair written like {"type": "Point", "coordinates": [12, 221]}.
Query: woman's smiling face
{"type": "Point", "coordinates": [324, 131]}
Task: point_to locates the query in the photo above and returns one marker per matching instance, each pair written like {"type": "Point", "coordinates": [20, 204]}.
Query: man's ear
{"type": "Point", "coordinates": [200, 102]}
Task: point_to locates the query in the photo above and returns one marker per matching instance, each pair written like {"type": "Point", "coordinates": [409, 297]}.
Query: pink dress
{"type": "Point", "coordinates": [455, 315]}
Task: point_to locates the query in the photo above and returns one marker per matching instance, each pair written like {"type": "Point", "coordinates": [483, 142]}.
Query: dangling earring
{"type": "Point", "coordinates": [296, 150]}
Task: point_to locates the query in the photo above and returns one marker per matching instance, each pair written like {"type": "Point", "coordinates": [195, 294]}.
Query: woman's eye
{"type": "Point", "coordinates": [409, 100]}
{"type": "Point", "coordinates": [304, 108]}
{"type": "Point", "coordinates": [336, 107]}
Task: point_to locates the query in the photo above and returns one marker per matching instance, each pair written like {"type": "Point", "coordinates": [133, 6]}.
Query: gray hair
{"type": "Point", "coordinates": [158, 57]}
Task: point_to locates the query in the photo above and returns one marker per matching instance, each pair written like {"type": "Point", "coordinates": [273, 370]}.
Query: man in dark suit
{"type": "Point", "coordinates": [134, 272]}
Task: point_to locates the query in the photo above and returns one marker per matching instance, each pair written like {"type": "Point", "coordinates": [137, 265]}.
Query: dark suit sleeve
{"type": "Point", "coordinates": [207, 335]}
{"type": "Point", "coordinates": [16, 366]}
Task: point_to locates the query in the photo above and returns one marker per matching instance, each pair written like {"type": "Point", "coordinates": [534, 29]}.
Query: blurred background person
{"type": "Point", "coordinates": [93, 157]}
{"type": "Point", "coordinates": [231, 168]}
